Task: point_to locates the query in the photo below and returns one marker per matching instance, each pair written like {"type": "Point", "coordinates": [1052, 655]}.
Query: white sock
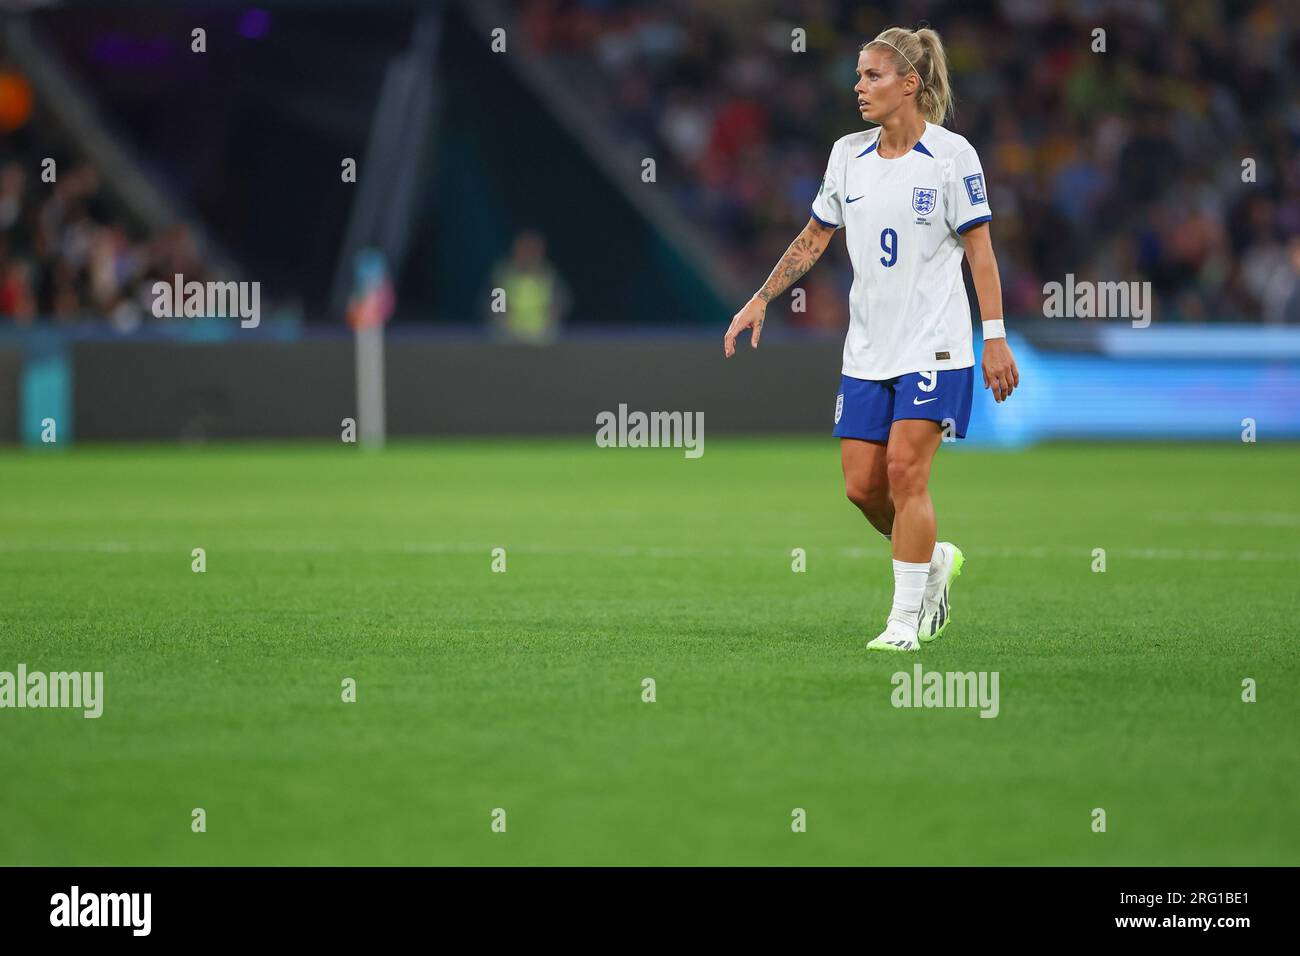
{"type": "Point", "coordinates": [909, 588]}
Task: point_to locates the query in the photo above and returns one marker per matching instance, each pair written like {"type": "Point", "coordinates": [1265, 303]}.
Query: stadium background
{"type": "Point", "coordinates": [522, 170]}
{"type": "Point", "coordinates": [1116, 166]}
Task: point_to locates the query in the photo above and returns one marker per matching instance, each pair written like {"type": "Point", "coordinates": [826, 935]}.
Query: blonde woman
{"type": "Point", "coordinates": [911, 198]}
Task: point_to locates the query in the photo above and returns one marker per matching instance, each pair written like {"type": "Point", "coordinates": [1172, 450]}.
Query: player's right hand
{"type": "Point", "coordinates": [751, 316]}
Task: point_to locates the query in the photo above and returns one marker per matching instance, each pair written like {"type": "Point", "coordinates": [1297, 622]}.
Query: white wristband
{"type": "Point", "coordinates": [994, 329]}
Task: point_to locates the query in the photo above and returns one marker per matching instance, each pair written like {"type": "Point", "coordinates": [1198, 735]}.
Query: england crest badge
{"type": "Point", "coordinates": [923, 200]}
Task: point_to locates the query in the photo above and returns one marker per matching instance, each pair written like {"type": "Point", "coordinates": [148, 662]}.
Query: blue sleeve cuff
{"type": "Point", "coordinates": [974, 222]}
{"type": "Point", "coordinates": [828, 225]}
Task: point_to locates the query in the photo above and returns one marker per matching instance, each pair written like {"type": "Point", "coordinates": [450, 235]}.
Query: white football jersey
{"type": "Point", "coordinates": [903, 217]}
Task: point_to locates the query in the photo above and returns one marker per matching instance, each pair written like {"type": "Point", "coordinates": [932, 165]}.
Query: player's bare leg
{"type": "Point", "coordinates": [866, 481]}
{"type": "Point", "coordinates": [908, 457]}
{"type": "Point", "coordinates": [912, 444]}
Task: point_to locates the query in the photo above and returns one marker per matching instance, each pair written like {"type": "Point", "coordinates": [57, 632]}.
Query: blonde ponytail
{"type": "Point", "coordinates": [921, 52]}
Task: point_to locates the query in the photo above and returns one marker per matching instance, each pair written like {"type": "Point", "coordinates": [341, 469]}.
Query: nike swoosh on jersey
{"type": "Point", "coordinates": [852, 198]}
{"type": "Point", "coordinates": [917, 401]}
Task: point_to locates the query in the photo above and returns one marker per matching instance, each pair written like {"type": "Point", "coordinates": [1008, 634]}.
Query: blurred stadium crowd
{"type": "Point", "coordinates": [67, 253]}
{"type": "Point", "coordinates": [1116, 165]}
{"type": "Point", "coordinates": [65, 256]}
{"type": "Point", "coordinates": [1125, 164]}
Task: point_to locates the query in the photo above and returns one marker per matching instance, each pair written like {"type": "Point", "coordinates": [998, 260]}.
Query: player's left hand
{"type": "Point", "coordinates": [1000, 372]}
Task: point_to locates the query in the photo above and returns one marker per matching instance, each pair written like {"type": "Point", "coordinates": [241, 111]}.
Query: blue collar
{"type": "Point", "coordinates": [918, 148]}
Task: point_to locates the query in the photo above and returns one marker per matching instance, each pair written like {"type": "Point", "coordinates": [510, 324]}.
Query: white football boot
{"type": "Point", "coordinates": [934, 606]}
{"type": "Point", "coordinates": [895, 637]}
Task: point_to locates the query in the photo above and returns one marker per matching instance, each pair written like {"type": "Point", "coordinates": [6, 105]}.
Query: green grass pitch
{"type": "Point", "coordinates": [477, 690]}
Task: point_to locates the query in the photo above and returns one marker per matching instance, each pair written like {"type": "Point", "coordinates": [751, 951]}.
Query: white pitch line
{"type": "Point", "coordinates": [632, 551]}
{"type": "Point", "coordinates": [1245, 519]}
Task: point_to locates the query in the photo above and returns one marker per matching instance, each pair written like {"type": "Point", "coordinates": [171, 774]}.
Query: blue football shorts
{"type": "Point", "coordinates": [866, 409]}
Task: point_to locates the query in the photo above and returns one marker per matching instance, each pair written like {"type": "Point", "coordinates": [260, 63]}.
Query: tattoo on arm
{"type": "Point", "coordinates": [802, 254]}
